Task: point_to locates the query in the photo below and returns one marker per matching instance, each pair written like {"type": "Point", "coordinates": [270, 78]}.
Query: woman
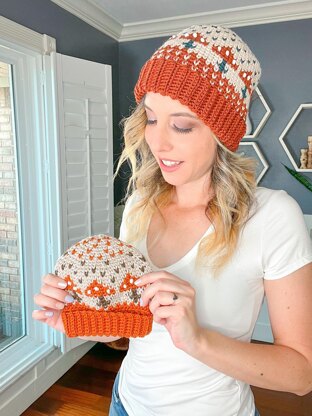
{"type": "Point", "coordinates": [216, 242]}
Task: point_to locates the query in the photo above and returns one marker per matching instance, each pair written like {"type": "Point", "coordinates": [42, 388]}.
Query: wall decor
{"type": "Point", "coordinates": [258, 115]}
{"type": "Point", "coordinates": [296, 138]}
{"type": "Point", "coordinates": [306, 155]}
{"type": "Point", "coordinates": [251, 149]}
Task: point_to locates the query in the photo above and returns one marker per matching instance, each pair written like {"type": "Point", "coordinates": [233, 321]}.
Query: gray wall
{"type": "Point", "coordinates": [284, 50]}
{"type": "Point", "coordinates": [73, 37]}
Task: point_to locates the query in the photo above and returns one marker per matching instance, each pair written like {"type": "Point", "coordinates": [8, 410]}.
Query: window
{"type": "Point", "coordinates": [27, 204]}
{"type": "Point", "coordinates": [60, 125]}
{"type": "Point", "coordinates": [12, 314]}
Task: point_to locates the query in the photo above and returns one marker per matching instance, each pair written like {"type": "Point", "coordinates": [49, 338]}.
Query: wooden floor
{"type": "Point", "coordinates": [85, 390]}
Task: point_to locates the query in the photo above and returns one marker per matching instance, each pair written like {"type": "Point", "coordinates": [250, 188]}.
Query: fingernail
{"type": "Point", "coordinates": [49, 313]}
{"type": "Point", "coordinates": [69, 299]}
{"type": "Point", "coordinates": [137, 282]}
{"type": "Point", "coordinates": [62, 285]}
{"type": "Point", "coordinates": [141, 302]}
{"type": "Point", "coordinates": [59, 305]}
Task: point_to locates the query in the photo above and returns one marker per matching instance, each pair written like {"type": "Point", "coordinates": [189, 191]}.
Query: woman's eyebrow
{"type": "Point", "coordinates": [146, 106]}
{"type": "Point", "coordinates": [180, 114]}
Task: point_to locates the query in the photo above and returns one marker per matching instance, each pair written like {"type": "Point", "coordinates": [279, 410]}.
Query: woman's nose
{"type": "Point", "coordinates": [163, 141]}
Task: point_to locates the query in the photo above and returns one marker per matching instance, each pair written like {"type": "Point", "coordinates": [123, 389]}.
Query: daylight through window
{"type": "Point", "coordinates": [12, 325]}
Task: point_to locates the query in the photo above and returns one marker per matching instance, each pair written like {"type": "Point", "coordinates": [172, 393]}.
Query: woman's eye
{"type": "Point", "coordinates": [182, 130]}
{"type": "Point", "coordinates": [149, 122]}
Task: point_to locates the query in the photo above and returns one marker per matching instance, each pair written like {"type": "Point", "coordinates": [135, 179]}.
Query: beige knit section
{"type": "Point", "coordinates": [100, 272]}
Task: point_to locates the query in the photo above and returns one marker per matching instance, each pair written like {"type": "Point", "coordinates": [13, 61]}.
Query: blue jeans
{"type": "Point", "coordinates": [116, 407]}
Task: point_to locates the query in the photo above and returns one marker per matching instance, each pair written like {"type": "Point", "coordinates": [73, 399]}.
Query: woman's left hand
{"type": "Point", "coordinates": [172, 303]}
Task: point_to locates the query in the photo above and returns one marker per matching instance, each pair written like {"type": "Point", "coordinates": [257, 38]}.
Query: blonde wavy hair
{"type": "Point", "coordinates": [233, 181]}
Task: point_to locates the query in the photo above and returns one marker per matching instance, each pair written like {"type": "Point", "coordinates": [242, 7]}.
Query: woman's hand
{"type": "Point", "coordinates": [52, 299]}
{"type": "Point", "coordinates": [172, 303]}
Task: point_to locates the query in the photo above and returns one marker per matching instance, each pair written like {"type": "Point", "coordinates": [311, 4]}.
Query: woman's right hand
{"type": "Point", "coordinates": [52, 299]}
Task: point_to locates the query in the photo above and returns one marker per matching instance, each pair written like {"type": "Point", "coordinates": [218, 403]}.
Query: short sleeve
{"type": "Point", "coordinates": [123, 226]}
{"type": "Point", "coordinates": [286, 245]}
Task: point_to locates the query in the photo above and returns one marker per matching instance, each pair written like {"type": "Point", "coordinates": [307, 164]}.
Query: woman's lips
{"type": "Point", "coordinates": [169, 165]}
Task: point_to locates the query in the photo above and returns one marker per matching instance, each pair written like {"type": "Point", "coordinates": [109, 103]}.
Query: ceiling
{"type": "Point", "coordinates": [138, 19]}
{"type": "Point", "coordinates": [133, 11]}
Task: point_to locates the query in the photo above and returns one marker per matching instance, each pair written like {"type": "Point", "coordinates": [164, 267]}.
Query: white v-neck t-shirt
{"type": "Point", "coordinates": [158, 379]}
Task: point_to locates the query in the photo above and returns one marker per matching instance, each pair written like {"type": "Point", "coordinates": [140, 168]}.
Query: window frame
{"type": "Point", "coordinates": [34, 362]}
{"type": "Point", "coordinates": [34, 154]}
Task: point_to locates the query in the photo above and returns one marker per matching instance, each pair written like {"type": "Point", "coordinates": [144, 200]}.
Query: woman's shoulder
{"type": "Point", "coordinates": [266, 194]}
{"type": "Point", "coordinates": [131, 200]}
{"type": "Point", "coordinates": [267, 197]}
{"type": "Point", "coordinates": [274, 202]}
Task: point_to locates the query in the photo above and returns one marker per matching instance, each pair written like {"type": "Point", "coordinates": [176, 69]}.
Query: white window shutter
{"type": "Point", "coordinates": [85, 120]}
{"type": "Point", "coordinates": [84, 97]}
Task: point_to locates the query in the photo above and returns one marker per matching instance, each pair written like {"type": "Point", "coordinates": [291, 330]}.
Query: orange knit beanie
{"type": "Point", "coordinates": [211, 71]}
{"type": "Point", "coordinates": [100, 272]}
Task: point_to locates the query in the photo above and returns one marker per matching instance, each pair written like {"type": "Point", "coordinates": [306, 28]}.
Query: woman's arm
{"type": "Point", "coordinates": [287, 364]}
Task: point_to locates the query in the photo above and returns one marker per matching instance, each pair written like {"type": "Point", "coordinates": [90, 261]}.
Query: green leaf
{"type": "Point", "coordinates": [302, 179]}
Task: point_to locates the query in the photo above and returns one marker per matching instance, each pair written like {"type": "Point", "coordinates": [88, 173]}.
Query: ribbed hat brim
{"type": "Point", "coordinates": [89, 322]}
{"type": "Point", "coordinates": [179, 82]}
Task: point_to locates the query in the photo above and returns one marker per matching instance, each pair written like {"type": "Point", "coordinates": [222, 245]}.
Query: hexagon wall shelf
{"type": "Point", "coordinates": [297, 130]}
{"type": "Point", "coordinates": [258, 114]}
{"type": "Point", "coordinates": [251, 149]}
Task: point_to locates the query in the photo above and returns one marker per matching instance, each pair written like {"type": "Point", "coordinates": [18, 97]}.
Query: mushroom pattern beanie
{"type": "Point", "coordinates": [100, 272]}
{"type": "Point", "coordinates": [211, 70]}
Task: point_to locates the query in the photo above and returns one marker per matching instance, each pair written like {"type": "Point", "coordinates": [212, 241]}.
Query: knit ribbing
{"type": "Point", "coordinates": [122, 320]}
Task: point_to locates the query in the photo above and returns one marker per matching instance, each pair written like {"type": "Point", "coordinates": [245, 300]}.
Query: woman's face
{"type": "Point", "coordinates": [181, 143]}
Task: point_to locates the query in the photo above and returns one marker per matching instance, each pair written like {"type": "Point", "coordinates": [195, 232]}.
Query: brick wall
{"type": "Point", "coordinates": [10, 287]}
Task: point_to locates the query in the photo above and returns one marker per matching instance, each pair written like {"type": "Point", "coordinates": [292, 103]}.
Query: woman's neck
{"type": "Point", "coordinates": [190, 196]}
